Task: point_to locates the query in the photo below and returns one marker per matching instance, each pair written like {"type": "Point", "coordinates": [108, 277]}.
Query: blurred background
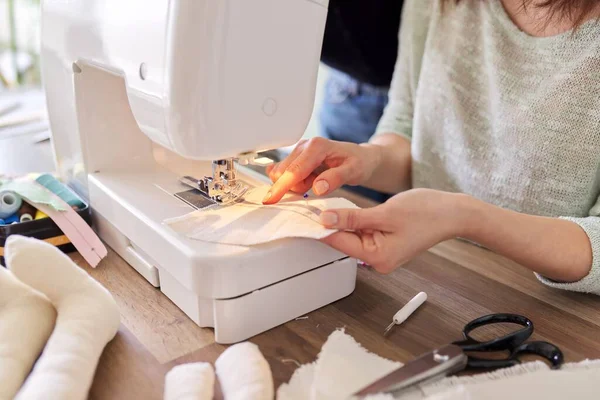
{"type": "Point", "coordinates": [19, 43]}
{"type": "Point", "coordinates": [24, 127]}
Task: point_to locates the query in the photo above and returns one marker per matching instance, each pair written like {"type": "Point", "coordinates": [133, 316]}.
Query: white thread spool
{"type": "Point", "coordinates": [26, 218]}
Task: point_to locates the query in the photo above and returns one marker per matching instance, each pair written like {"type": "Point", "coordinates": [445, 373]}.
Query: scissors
{"type": "Point", "coordinates": [451, 358]}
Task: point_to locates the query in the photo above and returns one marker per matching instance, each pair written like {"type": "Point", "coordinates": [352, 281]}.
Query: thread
{"type": "Point", "coordinates": [9, 220]}
{"type": "Point", "coordinates": [26, 212]}
{"type": "Point", "coordinates": [40, 215]}
{"type": "Point", "coordinates": [25, 218]}
{"type": "Point", "coordinates": [10, 202]}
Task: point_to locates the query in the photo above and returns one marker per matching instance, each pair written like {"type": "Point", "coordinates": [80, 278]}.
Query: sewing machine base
{"type": "Point", "coordinates": [239, 318]}
{"type": "Point", "coordinates": [238, 291]}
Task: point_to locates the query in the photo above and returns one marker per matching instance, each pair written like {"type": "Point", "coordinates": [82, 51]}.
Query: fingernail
{"type": "Point", "coordinates": [321, 187]}
{"type": "Point", "coordinates": [267, 197]}
{"type": "Point", "coordinates": [329, 218]}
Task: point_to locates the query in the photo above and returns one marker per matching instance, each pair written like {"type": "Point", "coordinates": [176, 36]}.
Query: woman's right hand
{"type": "Point", "coordinates": [323, 165]}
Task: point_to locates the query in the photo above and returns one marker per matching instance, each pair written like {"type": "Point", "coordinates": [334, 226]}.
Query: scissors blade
{"type": "Point", "coordinates": [444, 361]}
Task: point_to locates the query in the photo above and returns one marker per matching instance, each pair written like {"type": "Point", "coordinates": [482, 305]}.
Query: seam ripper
{"type": "Point", "coordinates": [406, 311]}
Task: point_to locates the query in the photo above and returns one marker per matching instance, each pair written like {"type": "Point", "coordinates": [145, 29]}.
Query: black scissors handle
{"type": "Point", "coordinates": [513, 343]}
{"type": "Point", "coordinates": [507, 342]}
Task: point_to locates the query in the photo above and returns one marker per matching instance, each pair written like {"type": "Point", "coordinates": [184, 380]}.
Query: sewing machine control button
{"type": "Point", "coordinates": [270, 107]}
{"type": "Point", "coordinates": [143, 71]}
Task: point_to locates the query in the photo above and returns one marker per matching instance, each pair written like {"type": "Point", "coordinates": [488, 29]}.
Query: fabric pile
{"type": "Point", "coordinates": [343, 367]}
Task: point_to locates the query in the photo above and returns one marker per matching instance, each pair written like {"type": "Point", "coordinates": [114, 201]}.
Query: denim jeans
{"type": "Point", "coordinates": [350, 113]}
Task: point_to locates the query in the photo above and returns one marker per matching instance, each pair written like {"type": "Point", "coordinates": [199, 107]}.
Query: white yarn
{"type": "Point", "coordinates": [244, 373]}
{"type": "Point", "coordinates": [26, 321]}
{"type": "Point", "coordinates": [88, 318]}
{"type": "Point", "coordinates": [190, 382]}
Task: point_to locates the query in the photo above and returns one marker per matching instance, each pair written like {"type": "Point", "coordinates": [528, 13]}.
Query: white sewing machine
{"type": "Point", "coordinates": [141, 93]}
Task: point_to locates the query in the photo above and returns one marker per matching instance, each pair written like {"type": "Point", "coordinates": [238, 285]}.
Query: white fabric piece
{"type": "Point", "coordinates": [26, 321]}
{"type": "Point", "coordinates": [244, 373]}
{"type": "Point", "coordinates": [336, 378]}
{"type": "Point", "coordinates": [342, 368]}
{"type": "Point", "coordinates": [300, 386]}
{"type": "Point", "coordinates": [338, 373]}
{"type": "Point", "coordinates": [496, 384]}
{"type": "Point", "coordinates": [195, 381]}
{"type": "Point", "coordinates": [250, 222]}
{"type": "Point", "coordinates": [88, 318]}
{"type": "Point", "coordinates": [551, 385]}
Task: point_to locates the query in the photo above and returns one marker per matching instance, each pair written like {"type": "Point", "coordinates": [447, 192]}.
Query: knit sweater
{"type": "Point", "coordinates": [506, 117]}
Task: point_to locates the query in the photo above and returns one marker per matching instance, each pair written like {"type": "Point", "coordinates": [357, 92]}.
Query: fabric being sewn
{"type": "Point", "coordinates": [249, 222]}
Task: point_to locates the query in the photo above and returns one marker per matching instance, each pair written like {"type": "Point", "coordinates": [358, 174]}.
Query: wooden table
{"type": "Point", "coordinates": [461, 280]}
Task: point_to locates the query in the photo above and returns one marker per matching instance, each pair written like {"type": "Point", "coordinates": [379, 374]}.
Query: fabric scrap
{"type": "Point", "coordinates": [343, 367]}
{"type": "Point", "coordinates": [33, 192]}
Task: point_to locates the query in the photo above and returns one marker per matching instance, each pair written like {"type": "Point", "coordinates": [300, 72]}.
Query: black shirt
{"type": "Point", "coordinates": [361, 39]}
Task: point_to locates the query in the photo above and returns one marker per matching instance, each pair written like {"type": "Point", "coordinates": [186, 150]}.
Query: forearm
{"type": "Point", "coordinates": [392, 171]}
{"type": "Point", "coordinates": [556, 249]}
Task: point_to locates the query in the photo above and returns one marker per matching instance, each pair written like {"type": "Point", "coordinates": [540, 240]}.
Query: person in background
{"type": "Point", "coordinates": [360, 48]}
{"type": "Point", "coordinates": [491, 134]}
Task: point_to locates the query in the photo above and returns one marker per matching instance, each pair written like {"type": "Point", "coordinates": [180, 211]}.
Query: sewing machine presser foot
{"type": "Point", "coordinates": [221, 194]}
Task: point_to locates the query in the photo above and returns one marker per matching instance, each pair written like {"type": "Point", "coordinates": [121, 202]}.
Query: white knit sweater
{"type": "Point", "coordinates": [506, 117]}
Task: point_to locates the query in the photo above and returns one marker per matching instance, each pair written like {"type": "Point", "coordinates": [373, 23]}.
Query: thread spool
{"type": "Point", "coordinates": [25, 218]}
{"type": "Point", "coordinates": [40, 215]}
{"type": "Point", "coordinates": [9, 220]}
{"type": "Point", "coordinates": [26, 212]}
{"type": "Point", "coordinates": [10, 202]}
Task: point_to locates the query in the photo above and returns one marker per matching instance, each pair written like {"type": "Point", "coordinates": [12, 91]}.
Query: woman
{"type": "Point", "coordinates": [494, 122]}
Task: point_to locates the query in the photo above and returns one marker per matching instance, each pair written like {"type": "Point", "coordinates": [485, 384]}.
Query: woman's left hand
{"type": "Point", "coordinates": [391, 234]}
